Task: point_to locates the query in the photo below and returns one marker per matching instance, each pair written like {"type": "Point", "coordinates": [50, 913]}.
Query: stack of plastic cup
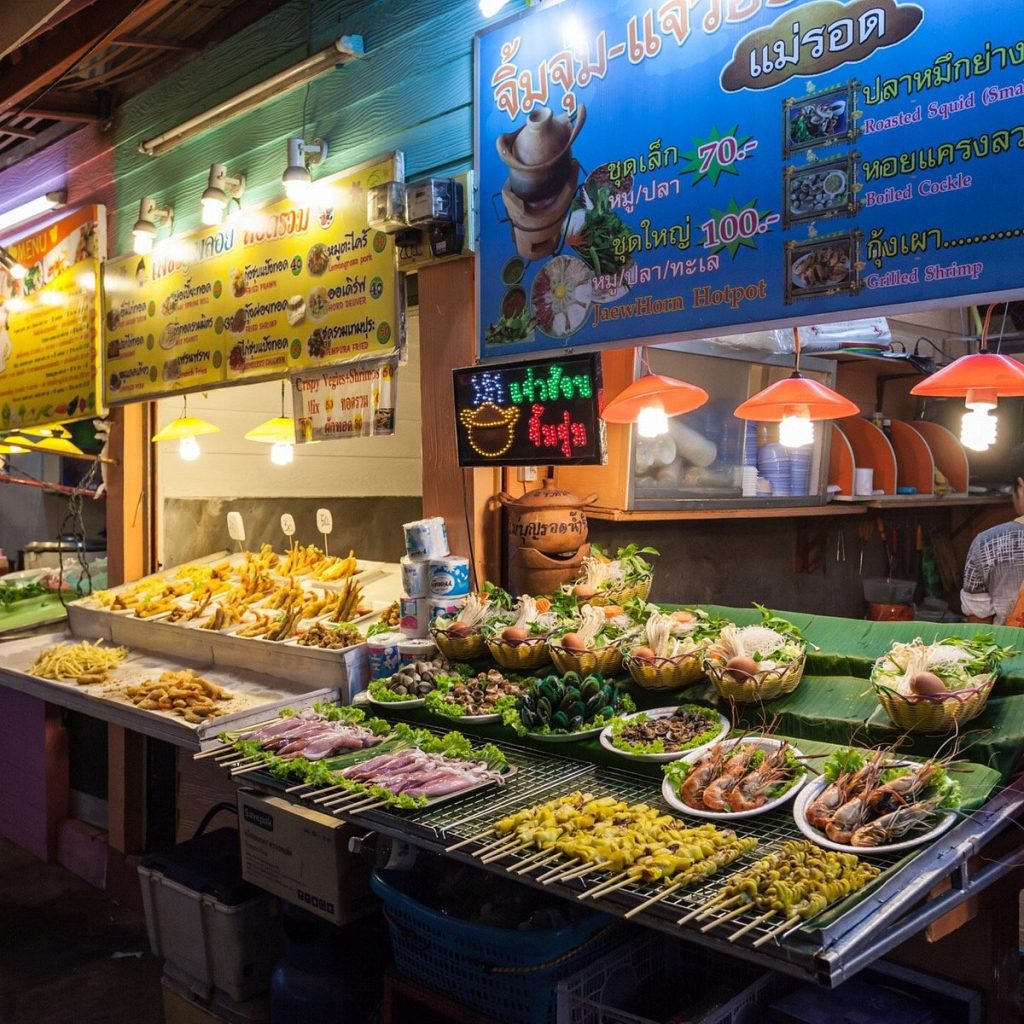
{"type": "Point", "coordinates": [773, 466]}
{"type": "Point", "coordinates": [800, 470]}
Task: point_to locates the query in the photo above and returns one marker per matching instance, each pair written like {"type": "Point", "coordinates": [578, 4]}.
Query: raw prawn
{"type": "Point", "coordinates": [891, 826]}
{"type": "Point", "coordinates": [701, 774]}
{"type": "Point", "coordinates": [752, 792]}
{"type": "Point", "coordinates": [820, 810]}
{"type": "Point", "coordinates": [847, 818]}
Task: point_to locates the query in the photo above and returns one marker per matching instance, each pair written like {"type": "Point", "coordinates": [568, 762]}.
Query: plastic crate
{"type": "Point", "coordinates": [598, 993]}
{"type": "Point", "coordinates": [507, 973]}
{"type": "Point", "coordinates": [203, 918]}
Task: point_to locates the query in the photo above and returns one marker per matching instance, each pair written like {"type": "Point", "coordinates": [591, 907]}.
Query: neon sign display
{"type": "Point", "coordinates": [526, 414]}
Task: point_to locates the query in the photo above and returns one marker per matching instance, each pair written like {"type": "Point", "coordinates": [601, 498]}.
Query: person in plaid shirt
{"type": "Point", "coordinates": [994, 571]}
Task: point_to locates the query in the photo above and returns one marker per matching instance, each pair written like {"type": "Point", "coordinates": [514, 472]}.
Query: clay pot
{"type": "Point", "coordinates": [548, 520]}
{"type": "Point", "coordinates": [533, 572]}
{"type": "Point", "coordinates": [539, 155]}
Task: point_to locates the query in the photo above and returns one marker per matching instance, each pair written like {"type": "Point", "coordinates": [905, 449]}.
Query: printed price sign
{"type": "Point", "coordinates": [528, 414]}
{"type": "Point", "coordinates": [690, 168]}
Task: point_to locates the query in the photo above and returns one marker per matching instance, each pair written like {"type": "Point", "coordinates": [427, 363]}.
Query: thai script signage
{"type": "Point", "coordinates": [347, 401]}
{"type": "Point", "coordinates": [693, 167]}
{"type": "Point", "coordinates": [528, 414]}
{"type": "Point", "coordinates": [49, 323]}
{"type": "Point", "coordinates": [269, 293]}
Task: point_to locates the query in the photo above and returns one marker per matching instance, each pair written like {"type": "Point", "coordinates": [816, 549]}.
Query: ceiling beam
{"type": "Point", "coordinates": [18, 133]}
{"type": "Point", "coordinates": [57, 51]}
{"type": "Point", "coordinates": [148, 43]}
{"type": "Point", "coordinates": [80, 107]}
{"type": "Point", "coordinates": [23, 19]}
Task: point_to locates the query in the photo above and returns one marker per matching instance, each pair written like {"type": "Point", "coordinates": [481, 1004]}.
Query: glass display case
{"type": "Point", "coordinates": [711, 459]}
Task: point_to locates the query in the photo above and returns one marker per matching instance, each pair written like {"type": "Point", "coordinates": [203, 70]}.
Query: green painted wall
{"type": "Point", "coordinates": [412, 91]}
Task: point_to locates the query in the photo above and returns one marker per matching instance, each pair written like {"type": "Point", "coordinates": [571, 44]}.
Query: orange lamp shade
{"type": "Point", "coordinates": [796, 395]}
{"type": "Point", "coordinates": [982, 371]}
{"type": "Point", "coordinates": [674, 396]}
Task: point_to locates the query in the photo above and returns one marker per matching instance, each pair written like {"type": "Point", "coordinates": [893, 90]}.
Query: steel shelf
{"type": "Point", "coordinates": [828, 949]}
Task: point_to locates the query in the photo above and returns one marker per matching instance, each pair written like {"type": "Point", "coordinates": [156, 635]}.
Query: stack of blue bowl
{"type": "Point", "coordinates": [800, 470]}
{"type": "Point", "coordinates": [773, 466]}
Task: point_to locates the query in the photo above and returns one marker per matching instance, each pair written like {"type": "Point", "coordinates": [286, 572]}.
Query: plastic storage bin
{"type": "Point", "coordinates": [509, 974]}
{"type": "Point", "coordinates": [654, 969]}
{"type": "Point", "coordinates": [220, 931]}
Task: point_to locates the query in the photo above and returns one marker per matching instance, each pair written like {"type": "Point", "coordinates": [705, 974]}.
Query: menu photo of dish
{"type": "Point", "coordinates": [826, 117]}
{"type": "Point", "coordinates": [820, 190]}
{"type": "Point", "coordinates": [823, 266]}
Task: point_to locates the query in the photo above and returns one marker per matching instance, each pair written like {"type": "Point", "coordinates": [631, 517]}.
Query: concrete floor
{"type": "Point", "coordinates": [59, 940]}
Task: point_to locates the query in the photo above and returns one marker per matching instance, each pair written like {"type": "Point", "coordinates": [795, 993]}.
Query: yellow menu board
{"type": "Point", "coordinates": [270, 292]}
{"type": "Point", "coordinates": [49, 323]}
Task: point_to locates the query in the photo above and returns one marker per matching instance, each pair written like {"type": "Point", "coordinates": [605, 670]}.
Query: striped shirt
{"type": "Point", "coordinates": [994, 572]}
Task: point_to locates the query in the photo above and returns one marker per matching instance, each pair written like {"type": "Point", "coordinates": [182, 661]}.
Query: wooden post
{"type": "Point", "coordinates": [464, 497]}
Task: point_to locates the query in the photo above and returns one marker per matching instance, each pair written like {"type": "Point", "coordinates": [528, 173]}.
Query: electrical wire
{"type": "Point", "coordinates": [73, 525]}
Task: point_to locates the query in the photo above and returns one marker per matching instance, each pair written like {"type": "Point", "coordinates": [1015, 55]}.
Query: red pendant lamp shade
{"type": "Point", "coordinates": [674, 396]}
{"type": "Point", "coordinates": [988, 374]}
{"type": "Point", "coordinates": [983, 371]}
{"type": "Point", "coordinates": [780, 399]}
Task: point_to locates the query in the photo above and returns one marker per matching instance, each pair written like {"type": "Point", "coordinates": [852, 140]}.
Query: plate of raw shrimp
{"type": "Point", "coordinates": [868, 803]}
{"type": "Point", "coordinates": [735, 778]}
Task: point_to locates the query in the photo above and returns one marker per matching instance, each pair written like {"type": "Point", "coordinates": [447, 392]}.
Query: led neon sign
{"type": "Point", "coordinates": [525, 414]}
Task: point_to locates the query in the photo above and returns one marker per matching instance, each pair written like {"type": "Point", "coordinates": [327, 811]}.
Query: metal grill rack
{"type": "Point", "coordinates": [826, 949]}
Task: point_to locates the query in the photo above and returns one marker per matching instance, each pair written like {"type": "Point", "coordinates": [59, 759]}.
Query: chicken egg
{"type": "Point", "coordinates": [573, 642]}
{"type": "Point", "coordinates": [458, 629]}
{"type": "Point", "coordinates": [742, 667]}
{"type": "Point", "coordinates": [643, 654]}
{"type": "Point", "coordinates": [611, 611]}
{"type": "Point", "coordinates": [584, 592]}
{"type": "Point", "coordinates": [514, 635]}
{"type": "Point", "coordinates": [927, 684]}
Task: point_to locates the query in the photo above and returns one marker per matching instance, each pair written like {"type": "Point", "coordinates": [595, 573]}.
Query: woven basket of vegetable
{"type": "Point", "coordinates": [641, 590]}
{"type": "Point", "coordinates": [937, 687]}
{"type": "Point", "coordinates": [457, 645]}
{"type": "Point", "coordinates": [941, 712]}
{"type": "Point", "coordinates": [522, 656]}
{"type": "Point", "coordinates": [607, 661]}
{"type": "Point", "coordinates": [665, 673]}
{"type": "Point", "coordinates": [755, 687]}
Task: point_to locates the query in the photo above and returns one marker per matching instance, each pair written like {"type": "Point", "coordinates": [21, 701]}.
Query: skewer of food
{"type": "Point", "coordinates": [796, 882]}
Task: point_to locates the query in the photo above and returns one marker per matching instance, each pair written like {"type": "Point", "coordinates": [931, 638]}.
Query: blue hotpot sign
{"type": "Point", "coordinates": [651, 170]}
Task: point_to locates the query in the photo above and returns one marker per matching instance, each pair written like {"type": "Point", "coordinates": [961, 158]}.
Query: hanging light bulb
{"type": "Point", "coordinates": [981, 379]}
{"type": "Point", "coordinates": [188, 448]}
{"type": "Point", "coordinates": [795, 428]}
{"type": "Point", "coordinates": [652, 420]}
{"type": "Point", "coordinates": [978, 426]}
{"type": "Point", "coordinates": [184, 430]}
{"type": "Point", "coordinates": [795, 403]}
{"type": "Point", "coordinates": [649, 401]}
{"type": "Point", "coordinates": [282, 453]}
{"type": "Point", "coordinates": [17, 270]}
{"type": "Point", "coordinates": [220, 189]}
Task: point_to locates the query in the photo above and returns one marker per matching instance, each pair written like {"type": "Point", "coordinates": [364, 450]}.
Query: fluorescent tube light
{"type": "Point", "coordinates": [342, 51]}
{"type": "Point", "coordinates": [33, 208]}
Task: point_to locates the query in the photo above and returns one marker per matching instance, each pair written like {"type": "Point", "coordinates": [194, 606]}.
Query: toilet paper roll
{"type": "Point", "coordinates": [415, 576]}
{"type": "Point", "coordinates": [413, 616]}
{"type": "Point", "coordinates": [426, 538]}
{"type": "Point", "coordinates": [446, 607]}
{"type": "Point", "coordinates": [382, 654]}
{"type": "Point", "coordinates": [449, 577]}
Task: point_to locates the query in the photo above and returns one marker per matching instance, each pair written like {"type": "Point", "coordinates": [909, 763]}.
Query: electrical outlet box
{"type": "Point", "coordinates": [526, 474]}
{"type": "Point", "coordinates": [431, 243]}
